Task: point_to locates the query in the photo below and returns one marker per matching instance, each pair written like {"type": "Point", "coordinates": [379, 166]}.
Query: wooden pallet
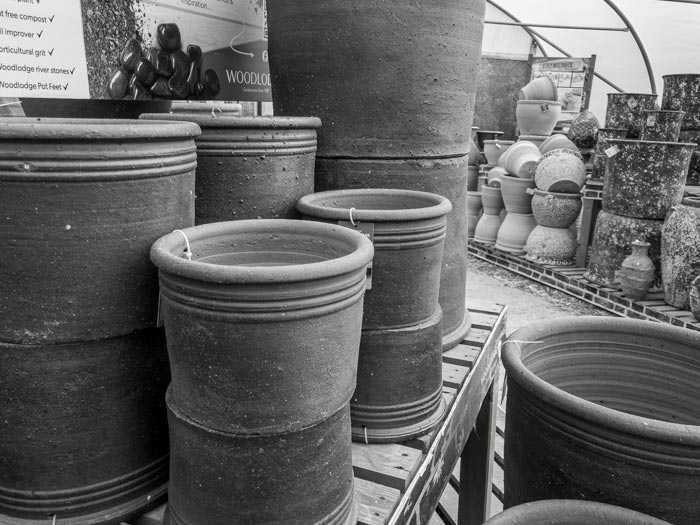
{"type": "Point", "coordinates": [402, 483]}
{"type": "Point", "coordinates": [571, 281]}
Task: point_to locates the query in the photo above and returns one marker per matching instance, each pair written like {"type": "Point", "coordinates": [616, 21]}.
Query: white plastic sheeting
{"type": "Point", "coordinates": [669, 31]}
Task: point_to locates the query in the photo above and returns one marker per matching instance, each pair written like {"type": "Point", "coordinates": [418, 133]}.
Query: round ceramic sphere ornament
{"type": "Point", "coordinates": [584, 130]}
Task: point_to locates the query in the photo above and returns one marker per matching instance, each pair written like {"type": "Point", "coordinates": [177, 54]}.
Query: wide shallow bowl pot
{"type": "Point", "coordinates": [571, 512]}
{"type": "Point", "coordinates": [615, 402]}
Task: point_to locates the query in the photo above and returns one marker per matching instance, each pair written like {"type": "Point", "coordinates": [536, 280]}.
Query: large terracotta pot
{"type": "Point", "coordinates": [661, 125]}
{"type": "Point", "coordinates": [682, 93]}
{"type": "Point", "coordinates": [537, 117]}
{"type": "Point", "coordinates": [514, 191]}
{"type": "Point", "coordinates": [612, 243]}
{"type": "Point", "coordinates": [382, 89]}
{"type": "Point", "coordinates": [446, 177]}
{"type": "Point", "coordinates": [615, 431]}
{"type": "Point", "coordinates": [250, 167]}
{"type": "Point", "coordinates": [263, 330]}
{"type": "Point", "coordinates": [643, 179]}
{"type": "Point", "coordinates": [87, 198]}
{"type": "Point", "coordinates": [626, 111]}
{"type": "Point", "coordinates": [473, 211]}
{"type": "Point", "coordinates": [486, 231]}
{"type": "Point", "coordinates": [399, 377]}
{"type": "Point", "coordinates": [599, 156]}
{"type": "Point", "coordinates": [514, 231]}
{"type": "Point", "coordinates": [491, 200]}
{"type": "Point", "coordinates": [680, 251]}
{"type": "Point", "coordinates": [571, 512]}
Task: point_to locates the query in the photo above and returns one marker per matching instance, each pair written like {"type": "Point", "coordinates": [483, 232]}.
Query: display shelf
{"type": "Point", "coordinates": [397, 484]}
{"type": "Point", "coordinates": [570, 279]}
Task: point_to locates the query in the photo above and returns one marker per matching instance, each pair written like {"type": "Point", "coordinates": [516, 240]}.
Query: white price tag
{"type": "Point", "coordinates": [612, 151]}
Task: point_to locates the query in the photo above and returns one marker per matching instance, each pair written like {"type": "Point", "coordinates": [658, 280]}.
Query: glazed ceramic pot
{"type": "Point", "coordinates": [247, 305]}
{"type": "Point", "coordinates": [514, 231]}
{"type": "Point", "coordinates": [493, 149]}
{"type": "Point", "coordinates": [399, 376]}
{"type": "Point", "coordinates": [571, 512]}
{"type": "Point", "coordinates": [516, 198]}
{"type": "Point", "coordinates": [541, 88]}
{"type": "Point", "coordinates": [486, 230]}
{"type": "Point", "coordinates": [520, 159]}
{"type": "Point", "coordinates": [612, 243]}
{"type": "Point", "coordinates": [644, 179]}
{"type": "Point", "coordinates": [560, 171]}
{"type": "Point", "coordinates": [599, 155]}
{"type": "Point", "coordinates": [537, 117]}
{"type": "Point", "coordinates": [551, 246]}
{"type": "Point", "coordinates": [637, 271]}
{"type": "Point", "coordinates": [661, 125]}
{"type": "Point", "coordinates": [483, 135]}
{"type": "Point", "coordinates": [555, 210]}
{"type": "Point", "coordinates": [682, 93]}
{"type": "Point", "coordinates": [626, 111]}
{"type": "Point", "coordinates": [557, 141]}
{"type": "Point", "coordinates": [491, 200]}
{"type": "Point", "coordinates": [680, 251]}
{"type": "Point", "coordinates": [250, 167]}
{"type": "Point", "coordinates": [583, 386]}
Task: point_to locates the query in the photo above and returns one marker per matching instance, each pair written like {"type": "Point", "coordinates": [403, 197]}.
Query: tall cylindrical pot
{"type": "Point", "coordinates": [682, 93]}
{"type": "Point", "coordinates": [680, 251]}
{"type": "Point", "coordinates": [611, 244]}
{"type": "Point", "coordinates": [614, 431]}
{"type": "Point", "coordinates": [445, 177]}
{"type": "Point", "coordinates": [399, 378]}
{"type": "Point", "coordinates": [571, 512]}
{"type": "Point", "coordinates": [644, 179]}
{"type": "Point", "coordinates": [693, 177]}
{"type": "Point", "coordinates": [250, 167]}
{"type": "Point", "coordinates": [662, 125]}
{"type": "Point", "coordinates": [82, 202]}
{"type": "Point", "coordinates": [626, 111]}
{"type": "Point", "coordinates": [401, 90]}
{"type": "Point", "coordinates": [263, 321]}
{"type": "Point", "coordinates": [602, 144]}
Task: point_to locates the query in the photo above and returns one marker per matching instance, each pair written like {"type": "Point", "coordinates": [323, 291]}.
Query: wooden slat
{"type": "Point", "coordinates": [387, 464]}
{"type": "Point", "coordinates": [482, 320]}
{"type": "Point", "coordinates": [375, 502]}
{"type": "Point", "coordinates": [462, 355]}
{"type": "Point", "coordinates": [453, 375]}
{"type": "Point", "coordinates": [476, 337]}
{"type": "Point", "coordinates": [152, 517]}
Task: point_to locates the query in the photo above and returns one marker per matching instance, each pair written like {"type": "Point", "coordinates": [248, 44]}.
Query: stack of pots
{"type": "Point", "coordinates": [263, 321]}
{"type": "Point", "coordinates": [492, 209]}
{"type": "Point", "coordinates": [83, 366]}
{"type": "Point", "coordinates": [556, 203]}
{"type": "Point", "coordinates": [377, 132]}
{"type": "Point", "coordinates": [250, 167]}
{"type": "Point", "coordinates": [519, 162]}
{"type": "Point", "coordinates": [644, 179]}
{"type": "Point", "coordinates": [399, 374]}
{"type": "Point", "coordinates": [682, 93]}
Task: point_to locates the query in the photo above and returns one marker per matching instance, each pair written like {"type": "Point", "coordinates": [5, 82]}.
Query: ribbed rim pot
{"type": "Point", "coordinates": [399, 378]}
{"type": "Point", "coordinates": [250, 167]}
{"type": "Point", "coordinates": [615, 401]}
{"type": "Point", "coordinates": [571, 512]}
{"type": "Point", "coordinates": [262, 307]}
{"type": "Point", "coordinates": [82, 202]}
{"type": "Point", "coordinates": [682, 93]}
{"type": "Point", "coordinates": [644, 179]}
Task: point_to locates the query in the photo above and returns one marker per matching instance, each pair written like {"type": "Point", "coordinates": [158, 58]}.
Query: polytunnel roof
{"type": "Point", "coordinates": [636, 42]}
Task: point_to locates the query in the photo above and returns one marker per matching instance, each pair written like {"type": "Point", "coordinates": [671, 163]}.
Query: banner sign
{"type": "Point", "coordinates": [179, 49]}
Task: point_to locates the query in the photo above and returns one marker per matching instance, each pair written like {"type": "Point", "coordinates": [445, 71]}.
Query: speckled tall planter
{"type": "Point", "coordinates": [399, 375]}
{"type": "Point", "coordinates": [626, 111]}
{"type": "Point", "coordinates": [263, 329]}
{"type": "Point", "coordinates": [599, 156]}
{"type": "Point", "coordinates": [250, 167]}
{"type": "Point", "coordinates": [661, 125]}
{"type": "Point", "coordinates": [682, 93]}
{"type": "Point", "coordinates": [694, 297]}
{"type": "Point", "coordinates": [644, 179]}
{"type": "Point", "coordinates": [604, 409]}
{"type": "Point", "coordinates": [693, 177]}
{"type": "Point", "coordinates": [612, 240]}
{"type": "Point", "coordinates": [446, 177]}
{"type": "Point", "coordinates": [571, 512]}
{"type": "Point", "coordinates": [555, 210]}
{"type": "Point", "coordinates": [680, 251]}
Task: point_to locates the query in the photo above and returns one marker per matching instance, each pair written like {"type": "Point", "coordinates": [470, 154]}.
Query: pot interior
{"type": "Point", "coordinates": [262, 258]}
{"type": "Point", "coordinates": [373, 201]}
{"type": "Point", "coordinates": [637, 373]}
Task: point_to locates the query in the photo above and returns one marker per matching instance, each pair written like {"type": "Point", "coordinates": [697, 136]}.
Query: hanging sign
{"type": "Point", "coordinates": [179, 49]}
{"type": "Point", "coordinates": [573, 78]}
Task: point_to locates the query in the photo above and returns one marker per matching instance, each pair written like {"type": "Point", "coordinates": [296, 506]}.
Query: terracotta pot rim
{"type": "Point", "coordinates": [662, 142]}
{"type": "Point", "coordinates": [93, 130]}
{"type": "Point", "coordinates": [435, 205]}
{"type": "Point", "coordinates": [236, 121]}
{"type": "Point", "coordinates": [688, 435]}
{"type": "Point", "coordinates": [167, 252]}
